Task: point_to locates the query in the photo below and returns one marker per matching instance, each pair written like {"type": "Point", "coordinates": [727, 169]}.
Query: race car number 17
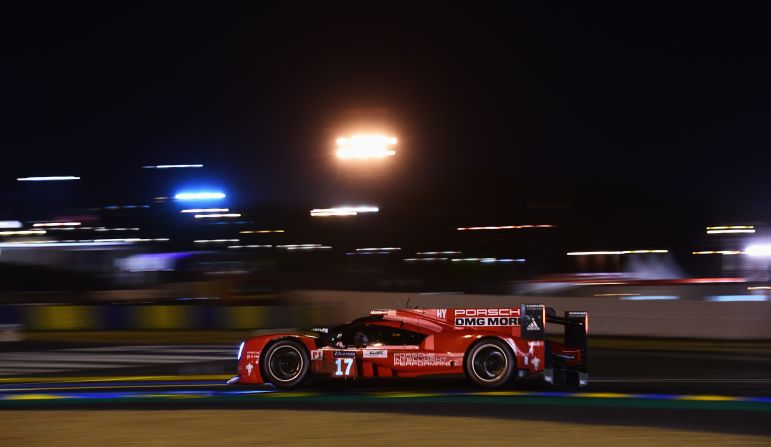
{"type": "Point", "coordinates": [343, 363]}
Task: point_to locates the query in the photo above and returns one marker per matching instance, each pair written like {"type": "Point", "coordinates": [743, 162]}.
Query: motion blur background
{"type": "Point", "coordinates": [568, 152]}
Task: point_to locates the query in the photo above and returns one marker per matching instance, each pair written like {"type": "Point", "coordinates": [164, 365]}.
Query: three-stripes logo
{"type": "Point", "coordinates": [533, 326]}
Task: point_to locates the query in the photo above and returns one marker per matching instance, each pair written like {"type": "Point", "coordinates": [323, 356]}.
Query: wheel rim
{"type": "Point", "coordinates": [489, 363]}
{"type": "Point", "coordinates": [286, 363]}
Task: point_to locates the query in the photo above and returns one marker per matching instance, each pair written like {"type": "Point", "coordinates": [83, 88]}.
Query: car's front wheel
{"type": "Point", "coordinates": [286, 364]}
{"type": "Point", "coordinates": [489, 363]}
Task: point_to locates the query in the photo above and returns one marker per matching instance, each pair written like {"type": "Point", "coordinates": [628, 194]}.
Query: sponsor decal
{"type": "Point", "coordinates": [421, 359]}
{"type": "Point", "coordinates": [486, 321]}
{"type": "Point", "coordinates": [317, 354]}
{"type": "Point", "coordinates": [249, 368]}
{"type": "Point", "coordinates": [375, 354]}
{"type": "Point", "coordinates": [535, 343]}
{"type": "Point", "coordinates": [487, 312]}
{"type": "Point", "coordinates": [344, 354]}
{"type": "Point", "coordinates": [441, 313]}
{"type": "Point", "coordinates": [253, 357]}
{"type": "Point", "coordinates": [324, 330]}
{"type": "Point", "coordinates": [532, 326]}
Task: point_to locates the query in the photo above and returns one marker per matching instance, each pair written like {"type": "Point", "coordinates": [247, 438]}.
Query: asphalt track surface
{"type": "Point", "coordinates": [707, 391]}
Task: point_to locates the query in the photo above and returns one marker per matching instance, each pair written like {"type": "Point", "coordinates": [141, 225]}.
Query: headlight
{"type": "Point", "coordinates": [241, 349]}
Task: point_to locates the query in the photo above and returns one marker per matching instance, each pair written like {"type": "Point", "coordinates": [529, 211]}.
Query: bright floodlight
{"type": "Point", "coordinates": [759, 250]}
{"type": "Point", "coordinates": [199, 195]}
{"type": "Point", "coordinates": [54, 178]}
{"type": "Point", "coordinates": [365, 146]}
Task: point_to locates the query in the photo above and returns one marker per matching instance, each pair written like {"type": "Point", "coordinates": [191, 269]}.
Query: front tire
{"type": "Point", "coordinates": [489, 363]}
{"type": "Point", "coordinates": [286, 364]}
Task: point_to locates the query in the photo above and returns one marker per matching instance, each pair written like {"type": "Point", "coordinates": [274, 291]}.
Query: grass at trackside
{"type": "Point", "coordinates": [289, 428]}
{"type": "Point", "coordinates": [235, 336]}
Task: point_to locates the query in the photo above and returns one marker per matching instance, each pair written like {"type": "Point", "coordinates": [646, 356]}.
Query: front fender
{"type": "Point", "coordinates": [249, 370]}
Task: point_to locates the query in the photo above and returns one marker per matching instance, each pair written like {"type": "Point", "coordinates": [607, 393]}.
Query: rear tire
{"type": "Point", "coordinates": [286, 364]}
{"type": "Point", "coordinates": [490, 363]}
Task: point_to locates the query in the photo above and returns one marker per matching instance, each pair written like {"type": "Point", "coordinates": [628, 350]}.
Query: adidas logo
{"type": "Point", "coordinates": [533, 326]}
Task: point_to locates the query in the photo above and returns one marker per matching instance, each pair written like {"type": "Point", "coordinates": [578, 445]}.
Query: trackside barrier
{"type": "Point", "coordinates": [158, 317]}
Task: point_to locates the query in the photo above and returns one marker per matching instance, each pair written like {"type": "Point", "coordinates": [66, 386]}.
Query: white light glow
{"type": "Point", "coordinates": [250, 246]}
{"type": "Point", "coordinates": [650, 298]}
{"type": "Point", "coordinates": [171, 166]}
{"type": "Point", "coordinates": [57, 224]}
{"type": "Point", "coordinates": [54, 178]}
{"type": "Point", "coordinates": [343, 211]}
{"type": "Point", "coordinates": [260, 231]}
{"type": "Point", "coordinates": [433, 253]}
{"type": "Point", "coordinates": [58, 244]}
{"type": "Point", "coordinates": [759, 250]}
{"type": "Point", "coordinates": [10, 224]}
{"type": "Point", "coordinates": [199, 195]}
{"type": "Point", "coordinates": [216, 215]}
{"type": "Point", "coordinates": [205, 210]}
{"type": "Point", "coordinates": [365, 146]}
{"type": "Point", "coordinates": [215, 241]}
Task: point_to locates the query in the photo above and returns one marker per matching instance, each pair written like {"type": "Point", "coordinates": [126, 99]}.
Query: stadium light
{"type": "Point", "coordinates": [199, 196]}
{"type": "Point", "coordinates": [365, 147]}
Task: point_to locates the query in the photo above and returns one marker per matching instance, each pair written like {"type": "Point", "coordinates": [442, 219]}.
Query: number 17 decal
{"type": "Point", "coordinates": [348, 363]}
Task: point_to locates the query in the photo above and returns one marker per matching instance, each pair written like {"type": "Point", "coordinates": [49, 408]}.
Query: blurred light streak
{"type": "Point", "coordinates": [260, 231]}
{"type": "Point", "coordinates": [505, 227]}
{"type": "Point", "coordinates": [298, 245]}
{"type": "Point", "coordinates": [650, 298]}
{"type": "Point", "coordinates": [214, 241]}
{"type": "Point", "coordinates": [426, 259]}
{"type": "Point", "coordinates": [54, 178]}
{"type": "Point", "coordinates": [759, 288]}
{"type": "Point", "coordinates": [10, 224]}
{"type": "Point", "coordinates": [433, 253]}
{"type": "Point", "coordinates": [205, 210]}
{"type": "Point", "coordinates": [718, 252]}
{"type": "Point", "coordinates": [199, 195]}
{"type": "Point", "coordinates": [216, 215]}
{"type": "Point", "coordinates": [365, 146]}
{"type": "Point", "coordinates": [22, 233]}
{"type": "Point", "coordinates": [172, 166]}
{"type": "Point", "coordinates": [250, 246]}
{"type": "Point", "coordinates": [488, 260]}
{"type": "Point", "coordinates": [736, 298]}
{"type": "Point", "coordinates": [57, 244]}
{"type": "Point", "coordinates": [730, 229]}
{"type": "Point", "coordinates": [759, 250]}
{"type": "Point", "coordinates": [343, 211]}
{"type": "Point", "coordinates": [617, 252]}
{"type": "Point", "coordinates": [57, 224]}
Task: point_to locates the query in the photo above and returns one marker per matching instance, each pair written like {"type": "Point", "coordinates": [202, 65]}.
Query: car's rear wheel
{"type": "Point", "coordinates": [489, 363]}
{"type": "Point", "coordinates": [286, 364]}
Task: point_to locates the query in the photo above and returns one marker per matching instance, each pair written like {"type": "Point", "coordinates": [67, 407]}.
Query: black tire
{"type": "Point", "coordinates": [286, 364]}
{"type": "Point", "coordinates": [490, 363]}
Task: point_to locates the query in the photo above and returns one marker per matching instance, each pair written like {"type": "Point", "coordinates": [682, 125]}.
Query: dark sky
{"type": "Point", "coordinates": [494, 106]}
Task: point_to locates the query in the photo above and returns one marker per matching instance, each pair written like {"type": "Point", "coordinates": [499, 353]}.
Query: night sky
{"type": "Point", "coordinates": [649, 108]}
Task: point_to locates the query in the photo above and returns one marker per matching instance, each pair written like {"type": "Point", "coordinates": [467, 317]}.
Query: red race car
{"type": "Point", "coordinates": [490, 346]}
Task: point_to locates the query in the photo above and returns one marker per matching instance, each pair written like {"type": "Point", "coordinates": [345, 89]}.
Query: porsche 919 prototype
{"type": "Point", "coordinates": [490, 346]}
